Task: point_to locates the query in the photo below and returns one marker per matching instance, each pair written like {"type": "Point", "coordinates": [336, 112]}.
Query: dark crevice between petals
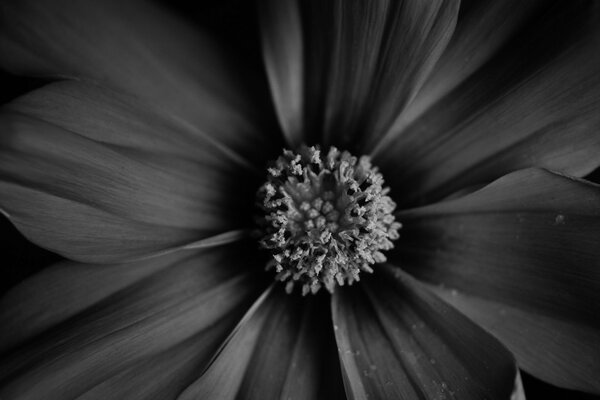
{"type": "Point", "coordinates": [21, 258]}
{"type": "Point", "coordinates": [594, 176]}
{"type": "Point", "coordinates": [537, 389]}
{"type": "Point", "coordinates": [14, 86]}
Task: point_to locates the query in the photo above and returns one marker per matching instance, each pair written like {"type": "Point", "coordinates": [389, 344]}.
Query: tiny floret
{"type": "Point", "coordinates": [325, 218]}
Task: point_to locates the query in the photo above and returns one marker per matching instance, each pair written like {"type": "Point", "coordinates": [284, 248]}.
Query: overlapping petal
{"type": "Point", "coordinates": [96, 176]}
{"type": "Point", "coordinates": [173, 314]}
{"type": "Point", "coordinates": [111, 117]}
{"type": "Point", "coordinates": [66, 289]}
{"type": "Point", "coordinates": [561, 352]}
{"type": "Point", "coordinates": [521, 257]}
{"type": "Point", "coordinates": [281, 349]}
{"type": "Point", "coordinates": [482, 28]}
{"type": "Point", "coordinates": [534, 104]}
{"type": "Point", "coordinates": [398, 341]}
{"type": "Point", "coordinates": [366, 60]}
{"type": "Point", "coordinates": [139, 48]}
{"type": "Point", "coordinates": [165, 375]}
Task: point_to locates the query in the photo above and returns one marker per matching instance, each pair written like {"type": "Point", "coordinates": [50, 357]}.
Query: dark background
{"type": "Point", "coordinates": [234, 23]}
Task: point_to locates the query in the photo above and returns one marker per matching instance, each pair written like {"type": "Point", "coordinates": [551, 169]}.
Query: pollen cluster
{"type": "Point", "coordinates": [325, 218]}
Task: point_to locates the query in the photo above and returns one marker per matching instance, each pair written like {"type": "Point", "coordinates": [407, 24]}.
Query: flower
{"type": "Point", "coordinates": [140, 159]}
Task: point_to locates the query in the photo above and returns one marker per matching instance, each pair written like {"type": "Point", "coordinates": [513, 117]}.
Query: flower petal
{"type": "Point", "coordinates": [564, 353]}
{"type": "Point", "coordinates": [482, 28]}
{"type": "Point", "coordinates": [81, 232]}
{"type": "Point", "coordinates": [65, 289]}
{"type": "Point", "coordinates": [534, 104]}
{"type": "Point", "coordinates": [85, 176]}
{"type": "Point", "coordinates": [114, 118]}
{"type": "Point", "coordinates": [368, 59]}
{"type": "Point", "coordinates": [396, 340]}
{"type": "Point", "coordinates": [524, 249]}
{"type": "Point", "coordinates": [133, 317]}
{"type": "Point", "coordinates": [284, 59]}
{"type": "Point", "coordinates": [128, 125]}
{"type": "Point", "coordinates": [281, 349]}
{"type": "Point", "coordinates": [518, 391]}
{"type": "Point", "coordinates": [139, 48]}
{"type": "Point", "coordinates": [165, 375]}
{"type": "Point", "coordinates": [418, 34]}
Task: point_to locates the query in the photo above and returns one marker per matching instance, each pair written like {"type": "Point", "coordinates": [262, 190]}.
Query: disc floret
{"type": "Point", "coordinates": [325, 218]}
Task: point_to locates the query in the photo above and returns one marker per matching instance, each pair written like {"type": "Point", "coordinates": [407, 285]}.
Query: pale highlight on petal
{"type": "Point", "coordinates": [283, 52]}
{"type": "Point", "coordinates": [211, 241]}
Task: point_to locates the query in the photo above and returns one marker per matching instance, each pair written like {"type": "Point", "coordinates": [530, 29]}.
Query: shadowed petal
{"type": "Point", "coordinates": [130, 127]}
{"type": "Point", "coordinates": [118, 326]}
{"type": "Point", "coordinates": [280, 350]}
{"type": "Point", "coordinates": [534, 104]}
{"type": "Point", "coordinates": [355, 32]}
{"type": "Point", "coordinates": [564, 353]}
{"type": "Point", "coordinates": [482, 28]}
{"type": "Point", "coordinates": [284, 60]}
{"type": "Point", "coordinates": [366, 60]}
{"type": "Point", "coordinates": [418, 34]}
{"type": "Point", "coordinates": [66, 289]}
{"type": "Point", "coordinates": [92, 179]}
{"type": "Point", "coordinates": [398, 341]}
{"type": "Point", "coordinates": [165, 375]}
{"type": "Point", "coordinates": [524, 251]}
{"type": "Point", "coordinates": [139, 48]}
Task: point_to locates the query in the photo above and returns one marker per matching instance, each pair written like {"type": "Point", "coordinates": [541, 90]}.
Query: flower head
{"type": "Point", "coordinates": [326, 218]}
{"type": "Point", "coordinates": [149, 157]}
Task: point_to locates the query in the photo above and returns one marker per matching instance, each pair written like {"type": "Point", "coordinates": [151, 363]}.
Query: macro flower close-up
{"type": "Point", "coordinates": [290, 199]}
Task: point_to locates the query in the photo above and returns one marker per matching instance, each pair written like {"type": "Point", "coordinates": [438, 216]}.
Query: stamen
{"type": "Point", "coordinates": [325, 219]}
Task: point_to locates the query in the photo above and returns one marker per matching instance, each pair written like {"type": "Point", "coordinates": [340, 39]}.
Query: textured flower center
{"type": "Point", "coordinates": [325, 218]}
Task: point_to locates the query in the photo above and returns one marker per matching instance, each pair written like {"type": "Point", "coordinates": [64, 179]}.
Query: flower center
{"type": "Point", "coordinates": [325, 218]}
